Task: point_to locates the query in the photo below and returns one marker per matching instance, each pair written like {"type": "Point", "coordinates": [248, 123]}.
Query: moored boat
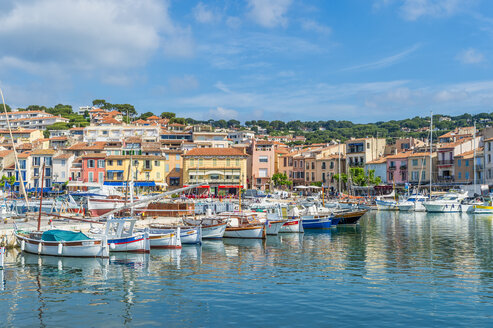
{"type": "Point", "coordinates": [244, 226]}
{"type": "Point", "coordinates": [165, 238]}
{"type": "Point", "coordinates": [188, 234]}
{"type": "Point", "coordinates": [122, 237]}
{"type": "Point", "coordinates": [350, 217]}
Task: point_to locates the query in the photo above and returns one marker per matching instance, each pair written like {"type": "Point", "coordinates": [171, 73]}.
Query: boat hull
{"type": "Point", "coordinates": [482, 209]}
{"type": "Point", "coordinates": [383, 205]}
{"type": "Point", "coordinates": [316, 223]}
{"type": "Point", "coordinates": [292, 226]}
{"type": "Point", "coordinates": [134, 244]}
{"type": "Point", "coordinates": [442, 208]}
{"type": "Point", "coordinates": [85, 248]}
{"type": "Point", "coordinates": [255, 232]}
{"type": "Point", "coordinates": [273, 227]}
{"type": "Point", "coordinates": [191, 235]}
{"type": "Point", "coordinates": [350, 217]}
{"type": "Point", "coordinates": [214, 231]}
{"type": "Point", "coordinates": [162, 239]}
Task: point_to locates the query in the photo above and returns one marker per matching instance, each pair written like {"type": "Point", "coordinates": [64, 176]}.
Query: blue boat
{"type": "Point", "coordinates": [316, 222]}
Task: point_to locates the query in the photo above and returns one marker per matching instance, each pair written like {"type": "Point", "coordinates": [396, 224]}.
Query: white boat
{"type": "Point", "coordinates": [122, 237]}
{"type": "Point", "coordinates": [165, 238]}
{"type": "Point", "coordinates": [386, 205]}
{"type": "Point", "coordinates": [448, 203]}
{"type": "Point", "coordinates": [212, 228]}
{"type": "Point", "coordinates": [62, 243]}
{"type": "Point", "coordinates": [100, 206]}
{"type": "Point", "coordinates": [413, 203]}
{"type": "Point", "coordinates": [292, 225]}
{"type": "Point", "coordinates": [188, 234]}
{"type": "Point", "coordinates": [243, 226]}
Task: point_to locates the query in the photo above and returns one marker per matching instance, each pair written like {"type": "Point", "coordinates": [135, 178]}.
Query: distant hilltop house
{"type": "Point", "coordinates": [33, 119]}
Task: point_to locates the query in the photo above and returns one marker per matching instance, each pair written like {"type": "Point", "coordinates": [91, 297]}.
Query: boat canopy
{"type": "Point", "coordinates": [63, 235]}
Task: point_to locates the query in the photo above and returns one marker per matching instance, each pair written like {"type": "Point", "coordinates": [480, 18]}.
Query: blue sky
{"type": "Point", "coordinates": [358, 60]}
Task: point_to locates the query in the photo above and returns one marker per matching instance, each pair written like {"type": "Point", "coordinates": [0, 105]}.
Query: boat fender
{"type": "Point", "coordinates": [112, 246]}
{"type": "Point", "coordinates": [23, 245]}
{"type": "Point", "coordinates": [40, 248]}
{"type": "Point", "coordinates": [60, 249]}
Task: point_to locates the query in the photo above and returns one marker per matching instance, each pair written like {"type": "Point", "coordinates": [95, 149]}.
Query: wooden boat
{"type": "Point", "coordinates": [349, 217]}
{"type": "Point", "coordinates": [62, 243]}
{"type": "Point", "coordinates": [212, 228]}
{"type": "Point", "coordinates": [122, 237]}
{"type": "Point", "coordinates": [244, 226]}
{"type": "Point", "coordinates": [165, 238]}
{"type": "Point", "coordinates": [188, 234]}
{"type": "Point", "coordinates": [313, 218]}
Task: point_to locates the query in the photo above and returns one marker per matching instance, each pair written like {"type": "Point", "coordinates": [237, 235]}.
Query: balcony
{"type": "Point", "coordinates": [392, 168]}
{"type": "Point", "coordinates": [446, 162]}
{"type": "Point", "coordinates": [356, 164]}
{"type": "Point", "coordinates": [479, 166]}
{"type": "Point", "coordinates": [403, 167]}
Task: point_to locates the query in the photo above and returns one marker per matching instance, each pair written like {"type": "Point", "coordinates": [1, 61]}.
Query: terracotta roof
{"type": "Point", "coordinates": [422, 154]}
{"type": "Point", "coordinates": [469, 154]}
{"type": "Point", "coordinates": [4, 153]}
{"type": "Point", "coordinates": [97, 110]}
{"type": "Point", "coordinates": [59, 138]}
{"type": "Point", "coordinates": [113, 113]}
{"type": "Point", "coordinates": [94, 155]}
{"type": "Point", "coordinates": [151, 146]}
{"type": "Point", "coordinates": [24, 112]}
{"type": "Point", "coordinates": [24, 155]}
{"type": "Point", "coordinates": [153, 117]}
{"type": "Point", "coordinates": [44, 152]}
{"type": "Point", "coordinates": [215, 152]}
{"type": "Point", "coordinates": [264, 142]}
{"type": "Point", "coordinates": [114, 157]}
{"type": "Point", "coordinates": [140, 121]}
{"type": "Point", "coordinates": [381, 160]}
{"type": "Point", "coordinates": [24, 146]}
{"type": "Point", "coordinates": [98, 145]}
{"type": "Point", "coordinates": [18, 131]}
{"type": "Point", "coordinates": [63, 156]}
{"type": "Point", "coordinates": [110, 120]}
{"type": "Point", "coordinates": [400, 155]}
{"type": "Point", "coordinates": [456, 143]}
{"type": "Point", "coordinates": [133, 140]}
{"type": "Point", "coordinates": [76, 129]}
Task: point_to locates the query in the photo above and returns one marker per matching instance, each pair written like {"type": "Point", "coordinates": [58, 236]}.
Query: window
{"type": "Point", "coordinates": [263, 159]}
{"type": "Point", "coordinates": [324, 165]}
{"type": "Point", "coordinates": [214, 176]}
{"type": "Point", "coordinates": [192, 162]}
{"type": "Point", "coordinates": [228, 162]}
{"type": "Point", "coordinates": [307, 166]}
{"type": "Point", "coordinates": [101, 177]}
{"type": "Point", "coordinates": [63, 162]}
{"type": "Point", "coordinates": [177, 157]}
{"type": "Point", "coordinates": [459, 175]}
{"type": "Point", "coordinates": [177, 167]}
{"type": "Point", "coordinates": [91, 177]}
{"type": "Point", "coordinates": [313, 176]}
{"type": "Point", "coordinates": [237, 162]}
{"type": "Point", "coordinates": [201, 162]}
{"type": "Point", "coordinates": [489, 146]}
{"type": "Point", "coordinates": [63, 175]}
{"type": "Point", "coordinates": [47, 183]}
{"type": "Point", "coordinates": [262, 173]}
{"type": "Point", "coordinates": [136, 163]}
{"type": "Point", "coordinates": [489, 158]}
{"type": "Point", "coordinates": [166, 168]}
{"type": "Point", "coordinates": [415, 175]}
{"type": "Point", "coordinates": [423, 175]}
{"type": "Point", "coordinates": [313, 165]}
{"type": "Point", "coordinates": [459, 162]}
{"type": "Point", "coordinates": [174, 181]}
{"type": "Point", "coordinates": [285, 161]}
{"type": "Point", "coordinates": [214, 162]}
{"type": "Point", "coordinates": [147, 164]}
{"type": "Point", "coordinates": [158, 175]}
{"type": "Point", "coordinates": [467, 175]}
{"type": "Point", "coordinates": [119, 162]}
{"type": "Point", "coordinates": [48, 172]}
{"type": "Point", "coordinates": [148, 176]}
{"type": "Point", "coordinates": [368, 145]}
{"type": "Point", "coordinates": [424, 161]}
{"type": "Point", "coordinates": [22, 164]}
{"type": "Point", "coordinates": [101, 163]}
{"type": "Point", "coordinates": [156, 163]}
{"type": "Point", "coordinates": [90, 164]}
{"type": "Point", "coordinates": [259, 181]}
{"type": "Point", "coordinates": [467, 162]}
{"type": "Point", "coordinates": [36, 161]}
{"type": "Point", "coordinates": [48, 161]}
{"type": "Point", "coordinates": [36, 171]}
{"type": "Point", "coordinates": [110, 162]}
{"type": "Point", "coordinates": [415, 162]}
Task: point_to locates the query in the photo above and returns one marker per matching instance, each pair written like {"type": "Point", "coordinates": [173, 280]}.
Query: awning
{"type": "Point", "coordinates": [114, 183]}
{"type": "Point", "coordinates": [38, 190]}
{"type": "Point", "coordinates": [18, 183]}
{"type": "Point", "coordinates": [145, 184]}
{"type": "Point", "coordinates": [198, 186]}
{"type": "Point", "coordinates": [230, 186]}
{"type": "Point", "coordinates": [114, 171]}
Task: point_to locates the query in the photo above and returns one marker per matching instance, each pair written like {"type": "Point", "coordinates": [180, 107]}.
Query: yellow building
{"type": "Point", "coordinates": [22, 135]}
{"type": "Point", "coordinates": [223, 169]}
{"type": "Point", "coordinates": [146, 170]}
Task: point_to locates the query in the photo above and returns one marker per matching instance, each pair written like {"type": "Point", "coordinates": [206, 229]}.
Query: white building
{"type": "Point", "coordinates": [211, 139]}
{"type": "Point", "coordinates": [119, 133]}
{"type": "Point", "coordinates": [30, 120]}
{"type": "Point", "coordinates": [241, 137]}
{"type": "Point", "coordinates": [61, 167]}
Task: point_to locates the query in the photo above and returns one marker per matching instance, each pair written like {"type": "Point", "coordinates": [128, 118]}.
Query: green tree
{"type": "Point", "coordinates": [168, 115]}
{"type": "Point", "coordinates": [99, 103]}
{"type": "Point", "coordinates": [281, 179]}
{"type": "Point", "coordinates": [6, 107]}
{"type": "Point", "coordinates": [146, 115]}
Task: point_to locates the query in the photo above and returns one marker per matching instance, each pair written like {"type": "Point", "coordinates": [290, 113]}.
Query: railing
{"type": "Point", "coordinates": [357, 164]}
{"type": "Point", "coordinates": [446, 162]}
{"type": "Point", "coordinates": [479, 166]}
{"type": "Point", "coordinates": [392, 167]}
{"type": "Point", "coordinates": [403, 167]}
{"type": "Point", "coordinates": [445, 177]}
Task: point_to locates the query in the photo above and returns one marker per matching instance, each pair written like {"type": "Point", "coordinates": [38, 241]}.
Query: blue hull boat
{"type": "Point", "coordinates": [316, 223]}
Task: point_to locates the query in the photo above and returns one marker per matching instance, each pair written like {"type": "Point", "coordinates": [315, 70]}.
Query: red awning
{"type": "Point", "coordinates": [207, 187]}
{"type": "Point", "coordinates": [230, 186]}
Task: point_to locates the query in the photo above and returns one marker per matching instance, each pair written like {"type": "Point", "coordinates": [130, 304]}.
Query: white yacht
{"type": "Point", "coordinates": [448, 203]}
{"type": "Point", "coordinates": [413, 203]}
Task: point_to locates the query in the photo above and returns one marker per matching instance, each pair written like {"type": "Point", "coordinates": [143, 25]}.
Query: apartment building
{"type": "Point", "coordinates": [94, 168]}
{"type": "Point", "coordinates": [61, 167]}
{"type": "Point", "coordinates": [211, 139]}
{"type": "Point", "coordinates": [224, 169]}
{"type": "Point", "coordinates": [21, 135]}
{"type": "Point", "coordinates": [379, 166]}
{"type": "Point", "coordinates": [119, 133]}
{"type": "Point", "coordinates": [419, 168]}
{"type": "Point", "coordinates": [363, 150]}
{"type": "Point", "coordinates": [29, 120]}
{"type": "Point", "coordinates": [260, 164]}
{"type": "Point", "coordinates": [40, 159]}
{"type": "Point", "coordinates": [446, 154]}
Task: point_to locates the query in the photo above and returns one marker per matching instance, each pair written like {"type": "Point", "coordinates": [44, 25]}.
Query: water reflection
{"type": "Point", "coordinates": [386, 265]}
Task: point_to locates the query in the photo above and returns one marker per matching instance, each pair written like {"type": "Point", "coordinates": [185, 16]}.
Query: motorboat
{"type": "Point", "coordinates": [165, 238]}
{"type": "Point", "coordinates": [412, 203]}
{"type": "Point", "coordinates": [212, 227]}
{"type": "Point", "coordinates": [447, 203]}
{"type": "Point", "coordinates": [349, 216]}
{"type": "Point", "coordinates": [316, 218]}
{"type": "Point", "coordinates": [243, 226]}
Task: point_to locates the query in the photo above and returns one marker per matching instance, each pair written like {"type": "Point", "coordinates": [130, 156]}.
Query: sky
{"type": "Point", "coordinates": [357, 60]}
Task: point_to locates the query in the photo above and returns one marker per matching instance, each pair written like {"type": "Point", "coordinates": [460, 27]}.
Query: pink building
{"type": "Point", "coordinates": [261, 168]}
{"type": "Point", "coordinates": [397, 168]}
{"type": "Point", "coordinates": [93, 168]}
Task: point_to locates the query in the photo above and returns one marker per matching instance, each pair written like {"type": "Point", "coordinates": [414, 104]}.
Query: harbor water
{"type": "Point", "coordinates": [393, 269]}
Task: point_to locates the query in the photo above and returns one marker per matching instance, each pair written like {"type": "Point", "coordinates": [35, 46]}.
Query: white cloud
{"type": "Point", "coordinates": [221, 113]}
{"type": "Point", "coordinates": [313, 26]}
{"type": "Point", "coordinates": [415, 9]}
{"type": "Point", "coordinates": [88, 35]}
{"type": "Point", "coordinates": [203, 14]}
{"type": "Point", "coordinates": [385, 62]}
{"type": "Point", "coordinates": [470, 56]}
{"type": "Point", "coordinates": [269, 13]}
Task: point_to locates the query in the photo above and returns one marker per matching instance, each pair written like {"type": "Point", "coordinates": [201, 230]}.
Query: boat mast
{"type": "Point", "coordinates": [431, 149]}
{"type": "Point", "coordinates": [41, 198]}
{"type": "Point", "coordinates": [474, 158]}
{"type": "Point", "coordinates": [22, 187]}
{"type": "Point", "coordinates": [339, 170]}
